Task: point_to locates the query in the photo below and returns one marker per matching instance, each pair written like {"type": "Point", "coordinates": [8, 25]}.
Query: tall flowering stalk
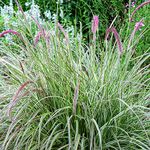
{"type": "Point", "coordinates": [37, 38]}
{"type": "Point", "coordinates": [48, 39]}
{"type": "Point", "coordinates": [75, 99]}
{"type": "Point", "coordinates": [39, 26]}
{"type": "Point", "coordinates": [11, 31]}
{"type": "Point", "coordinates": [16, 96]}
{"type": "Point", "coordinates": [137, 27]}
{"type": "Point", "coordinates": [95, 23]}
{"type": "Point", "coordinates": [117, 37]}
{"type": "Point", "coordinates": [21, 10]}
{"type": "Point", "coordinates": [64, 32]}
{"type": "Point", "coordinates": [41, 33]}
{"type": "Point", "coordinates": [138, 7]}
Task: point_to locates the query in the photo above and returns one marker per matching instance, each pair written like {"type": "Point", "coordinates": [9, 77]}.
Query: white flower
{"type": "Point", "coordinates": [27, 4]}
{"type": "Point", "coordinates": [35, 11]}
{"type": "Point", "coordinates": [7, 10]}
{"type": "Point", "coordinates": [48, 14]}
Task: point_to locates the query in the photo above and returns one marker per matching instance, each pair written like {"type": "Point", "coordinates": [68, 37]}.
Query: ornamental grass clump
{"type": "Point", "coordinates": [59, 98]}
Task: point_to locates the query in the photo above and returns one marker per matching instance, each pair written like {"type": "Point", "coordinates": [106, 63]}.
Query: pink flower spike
{"type": "Point", "coordinates": [39, 26]}
{"type": "Point", "coordinates": [15, 97]}
{"type": "Point", "coordinates": [95, 23]}
{"type": "Point", "coordinates": [10, 31]}
{"type": "Point", "coordinates": [117, 37]}
{"type": "Point", "coordinates": [138, 25]}
{"type": "Point", "coordinates": [20, 8]}
{"type": "Point", "coordinates": [64, 32]}
{"type": "Point", "coordinates": [133, 4]}
{"type": "Point", "coordinates": [37, 38]}
{"type": "Point", "coordinates": [75, 99]}
{"type": "Point", "coordinates": [107, 33]}
{"type": "Point", "coordinates": [48, 38]}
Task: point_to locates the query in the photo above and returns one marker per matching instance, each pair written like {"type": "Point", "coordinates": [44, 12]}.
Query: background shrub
{"type": "Point", "coordinates": [76, 11]}
{"type": "Point", "coordinates": [142, 44]}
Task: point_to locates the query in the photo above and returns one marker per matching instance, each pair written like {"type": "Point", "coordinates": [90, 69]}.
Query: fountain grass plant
{"type": "Point", "coordinates": [58, 95]}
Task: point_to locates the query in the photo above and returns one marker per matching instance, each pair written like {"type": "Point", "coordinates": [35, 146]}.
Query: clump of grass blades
{"type": "Point", "coordinates": [81, 97]}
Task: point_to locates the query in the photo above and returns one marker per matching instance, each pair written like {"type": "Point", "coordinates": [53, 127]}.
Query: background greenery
{"type": "Point", "coordinates": [76, 11]}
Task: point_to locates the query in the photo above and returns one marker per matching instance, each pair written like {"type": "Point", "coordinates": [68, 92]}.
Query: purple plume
{"type": "Point", "coordinates": [11, 31]}
{"type": "Point", "coordinates": [75, 99]}
{"type": "Point", "coordinates": [15, 97]}
{"type": "Point", "coordinates": [39, 26]}
{"type": "Point", "coordinates": [64, 32]}
{"type": "Point", "coordinates": [95, 23]}
{"type": "Point", "coordinates": [37, 38]}
{"type": "Point", "coordinates": [137, 27]}
{"type": "Point", "coordinates": [20, 8]}
{"type": "Point", "coordinates": [117, 37]}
